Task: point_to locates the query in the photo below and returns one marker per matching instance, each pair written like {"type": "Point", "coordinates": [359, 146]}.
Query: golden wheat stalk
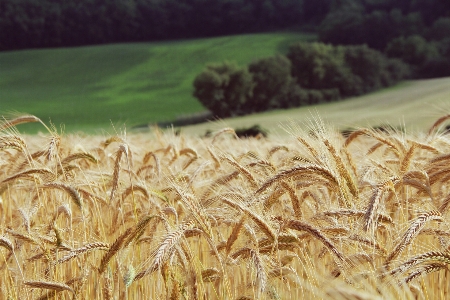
{"type": "Point", "coordinates": [13, 142]}
{"type": "Point", "coordinates": [210, 275]}
{"type": "Point", "coordinates": [428, 257]}
{"type": "Point", "coordinates": [273, 198]}
{"type": "Point", "coordinates": [438, 123]}
{"type": "Point", "coordinates": [367, 242]}
{"type": "Point", "coordinates": [374, 148]}
{"type": "Point", "coordinates": [308, 146]}
{"type": "Point", "coordinates": [113, 249]}
{"type": "Point", "coordinates": [86, 248]}
{"type": "Point", "coordinates": [314, 171]}
{"type": "Point", "coordinates": [234, 234]}
{"type": "Point", "coordinates": [412, 232]}
{"type": "Point", "coordinates": [342, 169]}
{"type": "Point", "coordinates": [353, 213]}
{"type": "Point", "coordinates": [166, 246]}
{"type": "Point", "coordinates": [138, 230]}
{"type": "Point", "coordinates": [20, 120]}
{"type": "Point", "coordinates": [246, 173]}
{"type": "Point", "coordinates": [371, 213]}
{"type": "Point", "coordinates": [135, 188]}
{"type": "Point", "coordinates": [261, 272]}
{"type": "Point", "coordinates": [425, 270]}
{"type": "Point", "coordinates": [407, 158]}
{"type": "Point", "coordinates": [220, 181]}
{"type": "Point", "coordinates": [224, 130]}
{"type": "Point", "coordinates": [294, 199]}
{"type": "Point", "coordinates": [6, 243]}
{"type": "Point", "coordinates": [82, 155]}
{"type": "Point", "coordinates": [49, 285]}
{"type": "Point", "coordinates": [107, 287]}
{"type": "Point", "coordinates": [275, 149]}
{"type": "Point", "coordinates": [262, 224]}
{"type": "Point", "coordinates": [73, 193]}
{"type": "Point", "coordinates": [123, 149]}
{"type": "Point", "coordinates": [26, 173]}
{"type": "Point", "coordinates": [302, 226]}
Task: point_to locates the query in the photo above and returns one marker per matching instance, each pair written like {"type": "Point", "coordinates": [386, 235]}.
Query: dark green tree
{"type": "Point", "coordinates": [414, 50]}
{"type": "Point", "coordinates": [373, 69]}
{"type": "Point", "coordinates": [271, 77]}
{"type": "Point", "coordinates": [319, 66]}
{"type": "Point", "coordinates": [224, 89]}
{"type": "Point", "coordinates": [440, 29]}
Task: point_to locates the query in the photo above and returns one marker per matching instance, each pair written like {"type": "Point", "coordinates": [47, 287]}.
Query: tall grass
{"type": "Point", "coordinates": [163, 216]}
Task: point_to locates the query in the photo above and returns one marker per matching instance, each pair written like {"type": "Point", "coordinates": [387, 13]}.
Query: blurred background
{"type": "Point", "coordinates": [91, 64]}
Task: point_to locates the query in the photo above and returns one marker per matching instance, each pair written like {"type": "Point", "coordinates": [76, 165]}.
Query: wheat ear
{"type": "Point", "coordinates": [167, 245]}
{"type": "Point", "coordinates": [73, 193]}
{"type": "Point", "coordinates": [437, 124]}
{"type": "Point", "coordinates": [234, 234]}
{"type": "Point", "coordinates": [425, 270]}
{"type": "Point", "coordinates": [252, 215]}
{"type": "Point", "coordinates": [431, 256]}
{"type": "Point", "coordinates": [371, 213]}
{"type": "Point", "coordinates": [123, 149]}
{"type": "Point", "coordinates": [82, 155]}
{"type": "Point", "coordinates": [298, 171]}
{"type": "Point", "coordinates": [224, 130]}
{"type": "Point", "coordinates": [113, 249]}
{"type": "Point", "coordinates": [275, 149]}
{"type": "Point", "coordinates": [6, 243]}
{"type": "Point", "coordinates": [26, 173]}
{"type": "Point", "coordinates": [50, 285]}
{"type": "Point", "coordinates": [12, 142]}
{"type": "Point", "coordinates": [294, 199]}
{"type": "Point", "coordinates": [86, 248]}
{"type": "Point", "coordinates": [343, 171]}
{"type": "Point", "coordinates": [251, 179]}
{"type": "Point", "coordinates": [302, 226]}
{"type": "Point", "coordinates": [412, 232]}
{"type": "Point", "coordinates": [406, 161]}
{"type": "Point", "coordinates": [20, 120]}
{"type": "Point", "coordinates": [261, 273]}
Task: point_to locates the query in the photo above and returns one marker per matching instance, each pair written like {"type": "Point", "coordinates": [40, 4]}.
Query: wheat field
{"type": "Point", "coordinates": [164, 216]}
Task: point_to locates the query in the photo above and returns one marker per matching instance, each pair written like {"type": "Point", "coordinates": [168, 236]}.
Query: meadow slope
{"type": "Point", "coordinates": [91, 87]}
{"type": "Point", "coordinates": [410, 104]}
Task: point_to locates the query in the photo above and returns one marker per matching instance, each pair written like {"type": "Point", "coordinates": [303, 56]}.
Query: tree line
{"type": "Point", "coordinates": [57, 23]}
{"type": "Point", "coordinates": [363, 45]}
{"type": "Point", "coordinates": [310, 73]}
{"type": "Point", "coordinates": [415, 31]}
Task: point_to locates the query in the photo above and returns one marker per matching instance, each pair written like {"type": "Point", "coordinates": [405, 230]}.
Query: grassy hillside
{"type": "Point", "coordinates": [413, 104]}
{"type": "Point", "coordinates": [91, 87]}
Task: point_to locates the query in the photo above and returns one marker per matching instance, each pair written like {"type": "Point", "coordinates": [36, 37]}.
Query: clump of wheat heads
{"type": "Point", "coordinates": [177, 217]}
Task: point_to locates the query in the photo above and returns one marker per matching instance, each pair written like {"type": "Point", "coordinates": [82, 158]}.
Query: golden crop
{"type": "Point", "coordinates": [161, 216]}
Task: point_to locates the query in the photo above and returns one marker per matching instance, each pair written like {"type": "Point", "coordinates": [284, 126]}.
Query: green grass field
{"type": "Point", "coordinates": [90, 88]}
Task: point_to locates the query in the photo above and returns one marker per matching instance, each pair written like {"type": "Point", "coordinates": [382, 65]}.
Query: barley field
{"type": "Point", "coordinates": [162, 216]}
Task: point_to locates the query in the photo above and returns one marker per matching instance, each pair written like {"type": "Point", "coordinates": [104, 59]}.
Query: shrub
{"type": "Point", "coordinates": [224, 89]}
{"type": "Point", "coordinates": [414, 50]}
{"type": "Point", "coordinates": [271, 77]}
{"type": "Point", "coordinates": [253, 131]}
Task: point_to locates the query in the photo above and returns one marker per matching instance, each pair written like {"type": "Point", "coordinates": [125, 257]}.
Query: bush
{"type": "Point", "coordinates": [253, 131]}
{"type": "Point", "coordinates": [224, 89]}
{"type": "Point", "coordinates": [271, 77]}
{"type": "Point", "coordinates": [347, 71]}
{"type": "Point", "coordinates": [318, 66]}
{"type": "Point", "coordinates": [414, 50]}
{"type": "Point", "coordinates": [440, 29]}
{"type": "Point", "coordinates": [373, 69]}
